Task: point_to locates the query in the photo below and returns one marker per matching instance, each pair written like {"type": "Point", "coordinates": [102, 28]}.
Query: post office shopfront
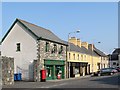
{"type": "Point", "coordinates": [53, 68]}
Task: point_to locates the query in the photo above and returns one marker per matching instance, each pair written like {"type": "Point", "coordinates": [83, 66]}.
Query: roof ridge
{"type": "Point", "coordinates": [33, 24]}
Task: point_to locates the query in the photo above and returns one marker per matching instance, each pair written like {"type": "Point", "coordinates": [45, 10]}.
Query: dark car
{"type": "Point", "coordinates": [105, 71]}
{"type": "Point", "coordinates": [118, 69]}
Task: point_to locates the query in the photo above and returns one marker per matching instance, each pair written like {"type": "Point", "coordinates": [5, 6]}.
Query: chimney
{"type": "Point", "coordinates": [79, 42]}
{"type": "Point", "coordinates": [91, 46]}
{"type": "Point", "coordinates": [85, 44]}
{"type": "Point", "coordinates": [73, 40]}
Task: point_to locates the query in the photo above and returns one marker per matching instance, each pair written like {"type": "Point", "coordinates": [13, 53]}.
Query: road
{"type": "Point", "coordinates": [85, 82]}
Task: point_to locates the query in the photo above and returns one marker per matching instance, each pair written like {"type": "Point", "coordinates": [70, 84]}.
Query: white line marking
{"type": "Point", "coordinates": [54, 85]}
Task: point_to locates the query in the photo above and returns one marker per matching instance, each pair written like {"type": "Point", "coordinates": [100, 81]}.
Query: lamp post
{"type": "Point", "coordinates": [69, 49]}
{"type": "Point", "coordinates": [92, 57]}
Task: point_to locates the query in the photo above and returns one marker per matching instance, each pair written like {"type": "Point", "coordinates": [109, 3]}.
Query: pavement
{"type": "Point", "coordinates": [80, 82]}
{"type": "Point", "coordinates": [58, 80]}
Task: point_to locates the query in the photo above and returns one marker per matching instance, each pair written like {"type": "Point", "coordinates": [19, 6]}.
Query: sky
{"type": "Point", "coordinates": [97, 21]}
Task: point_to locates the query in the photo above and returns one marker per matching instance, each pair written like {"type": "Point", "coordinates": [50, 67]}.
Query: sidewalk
{"type": "Point", "coordinates": [57, 80]}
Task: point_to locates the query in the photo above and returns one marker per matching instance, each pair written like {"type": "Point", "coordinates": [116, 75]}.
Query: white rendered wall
{"type": "Point", "coordinates": [28, 51]}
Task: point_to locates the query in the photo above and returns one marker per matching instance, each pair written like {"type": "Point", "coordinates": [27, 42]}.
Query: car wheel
{"type": "Point", "coordinates": [99, 74]}
{"type": "Point", "coordinates": [111, 73]}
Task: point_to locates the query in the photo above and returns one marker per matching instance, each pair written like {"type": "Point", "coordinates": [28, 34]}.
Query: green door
{"type": "Point", "coordinates": [49, 73]}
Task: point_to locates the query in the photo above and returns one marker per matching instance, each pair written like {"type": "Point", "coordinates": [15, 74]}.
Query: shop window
{"type": "Point", "coordinates": [47, 47]}
{"type": "Point", "coordinates": [76, 70]}
{"type": "Point", "coordinates": [61, 50]}
{"type": "Point", "coordinates": [49, 71]}
{"type": "Point", "coordinates": [18, 47]}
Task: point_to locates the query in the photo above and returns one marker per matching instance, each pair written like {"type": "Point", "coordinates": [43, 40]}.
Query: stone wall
{"type": "Point", "coordinates": [42, 54]}
{"type": "Point", "coordinates": [7, 65]}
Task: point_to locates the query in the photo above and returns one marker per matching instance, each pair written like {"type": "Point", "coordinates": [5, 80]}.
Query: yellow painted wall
{"type": "Point", "coordinates": [86, 58]}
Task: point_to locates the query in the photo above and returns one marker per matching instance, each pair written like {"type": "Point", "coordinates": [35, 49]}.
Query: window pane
{"type": "Point", "coordinates": [18, 47]}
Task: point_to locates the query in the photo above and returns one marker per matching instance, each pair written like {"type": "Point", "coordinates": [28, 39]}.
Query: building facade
{"type": "Point", "coordinates": [114, 58]}
{"type": "Point", "coordinates": [34, 48]}
{"type": "Point", "coordinates": [84, 58]}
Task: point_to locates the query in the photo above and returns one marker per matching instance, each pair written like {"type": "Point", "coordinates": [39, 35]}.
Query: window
{"type": "Point", "coordinates": [114, 63]}
{"type": "Point", "coordinates": [104, 65]}
{"type": "Point", "coordinates": [69, 56]}
{"type": "Point", "coordinates": [54, 50]}
{"type": "Point", "coordinates": [98, 64]}
{"type": "Point", "coordinates": [81, 57]}
{"type": "Point", "coordinates": [74, 56]}
{"type": "Point", "coordinates": [61, 50]}
{"type": "Point", "coordinates": [85, 57]}
{"type": "Point", "coordinates": [47, 47]}
{"type": "Point", "coordinates": [78, 56]}
{"type": "Point", "coordinates": [18, 47]}
{"type": "Point", "coordinates": [104, 58]}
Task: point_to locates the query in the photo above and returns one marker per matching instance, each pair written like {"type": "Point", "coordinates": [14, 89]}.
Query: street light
{"type": "Point", "coordinates": [69, 48]}
{"type": "Point", "coordinates": [92, 57]}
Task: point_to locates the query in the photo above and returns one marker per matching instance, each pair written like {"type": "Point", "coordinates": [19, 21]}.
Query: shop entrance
{"type": "Point", "coordinates": [59, 69]}
{"type": "Point", "coordinates": [49, 72]}
{"type": "Point", "coordinates": [54, 67]}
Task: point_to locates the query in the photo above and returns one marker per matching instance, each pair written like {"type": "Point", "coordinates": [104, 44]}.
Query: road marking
{"type": "Point", "coordinates": [54, 85]}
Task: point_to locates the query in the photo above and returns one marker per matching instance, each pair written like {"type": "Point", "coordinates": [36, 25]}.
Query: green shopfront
{"type": "Point", "coordinates": [54, 67]}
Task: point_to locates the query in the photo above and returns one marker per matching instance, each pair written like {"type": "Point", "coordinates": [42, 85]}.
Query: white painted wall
{"type": "Point", "coordinates": [28, 51]}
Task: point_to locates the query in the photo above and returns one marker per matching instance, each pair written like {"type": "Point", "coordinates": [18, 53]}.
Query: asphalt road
{"type": "Point", "coordinates": [85, 82]}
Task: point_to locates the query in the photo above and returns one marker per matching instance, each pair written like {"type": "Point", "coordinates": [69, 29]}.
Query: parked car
{"type": "Point", "coordinates": [105, 71]}
{"type": "Point", "coordinates": [118, 69]}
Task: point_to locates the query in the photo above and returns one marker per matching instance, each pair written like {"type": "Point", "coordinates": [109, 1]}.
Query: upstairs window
{"type": "Point", "coordinates": [114, 63]}
{"type": "Point", "coordinates": [74, 56]}
{"type": "Point", "coordinates": [69, 56]}
{"type": "Point", "coordinates": [81, 57]}
{"type": "Point", "coordinates": [18, 47]}
{"type": "Point", "coordinates": [47, 47]}
{"type": "Point", "coordinates": [85, 57]}
{"type": "Point", "coordinates": [54, 50]}
{"type": "Point", "coordinates": [61, 50]}
{"type": "Point", "coordinates": [78, 56]}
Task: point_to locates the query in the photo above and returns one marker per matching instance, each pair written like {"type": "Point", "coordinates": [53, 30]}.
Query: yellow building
{"type": "Point", "coordinates": [83, 58]}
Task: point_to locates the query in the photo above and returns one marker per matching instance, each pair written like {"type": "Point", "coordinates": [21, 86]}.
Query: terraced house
{"type": "Point", "coordinates": [34, 48]}
{"type": "Point", "coordinates": [84, 58]}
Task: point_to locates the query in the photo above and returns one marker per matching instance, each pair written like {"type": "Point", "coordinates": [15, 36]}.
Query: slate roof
{"type": "Point", "coordinates": [38, 32]}
{"type": "Point", "coordinates": [114, 55]}
{"type": "Point", "coordinates": [81, 49]}
{"type": "Point", "coordinates": [99, 52]}
{"type": "Point", "coordinates": [116, 51]}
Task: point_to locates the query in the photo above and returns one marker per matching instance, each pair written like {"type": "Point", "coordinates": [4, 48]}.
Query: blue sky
{"type": "Point", "coordinates": [98, 21]}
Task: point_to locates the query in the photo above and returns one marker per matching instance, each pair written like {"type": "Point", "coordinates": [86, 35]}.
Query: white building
{"type": "Point", "coordinates": [21, 43]}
